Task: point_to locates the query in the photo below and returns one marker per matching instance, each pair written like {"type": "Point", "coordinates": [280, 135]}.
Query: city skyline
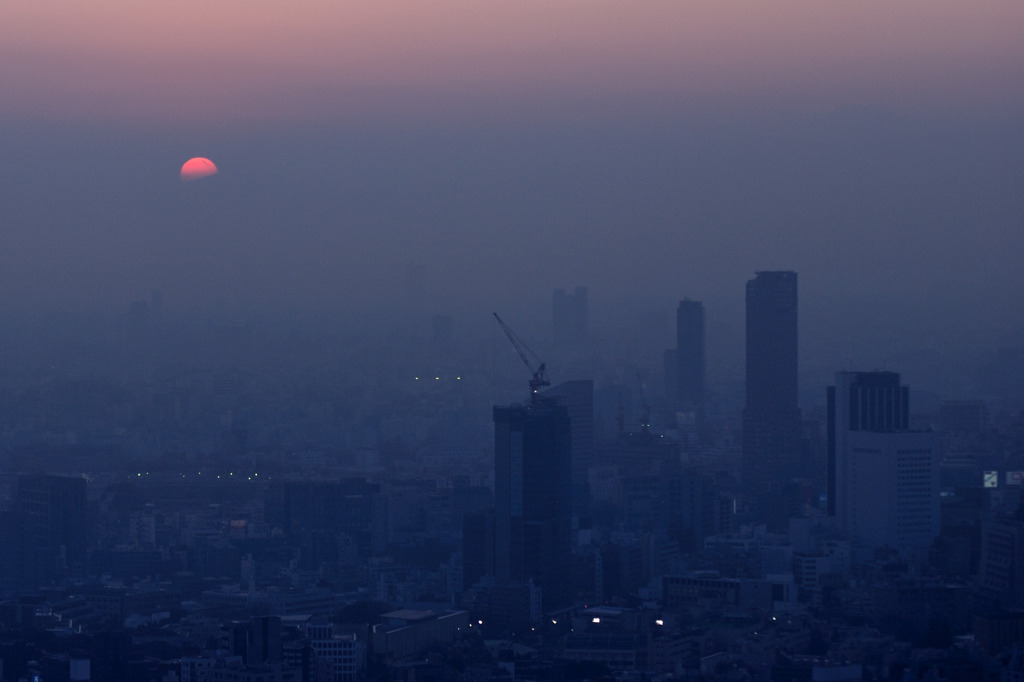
{"type": "Point", "coordinates": [257, 420]}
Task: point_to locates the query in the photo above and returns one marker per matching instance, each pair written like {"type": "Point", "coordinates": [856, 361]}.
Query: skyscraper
{"type": "Point", "coordinates": [883, 478]}
{"type": "Point", "coordinates": [1001, 569]}
{"type": "Point", "coordinates": [52, 514]}
{"type": "Point", "coordinates": [689, 363]}
{"type": "Point", "coordinates": [771, 416]}
{"type": "Point", "coordinates": [860, 401]}
{"type": "Point", "coordinates": [532, 495]}
{"type": "Point", "coordinates": [578, 398]}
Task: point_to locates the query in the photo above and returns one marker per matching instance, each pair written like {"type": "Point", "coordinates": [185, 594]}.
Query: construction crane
{"type": "Point", "coordinates": [538, 380]}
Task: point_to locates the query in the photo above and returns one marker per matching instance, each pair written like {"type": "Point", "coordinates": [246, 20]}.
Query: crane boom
{"type": "Point", "coordinates": [538, 380]}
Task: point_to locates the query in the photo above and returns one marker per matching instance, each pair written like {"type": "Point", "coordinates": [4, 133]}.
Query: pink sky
{"type": "Point", "coordinates": [194, 60]}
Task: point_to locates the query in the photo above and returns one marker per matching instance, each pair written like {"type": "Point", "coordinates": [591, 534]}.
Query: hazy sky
{"type": "Point", "coordinates": [485, 151]}
{"type": "Point", "coordinates": [200, 62]}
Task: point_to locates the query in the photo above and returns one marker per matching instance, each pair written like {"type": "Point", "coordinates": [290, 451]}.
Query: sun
{"type": "Point", "coordinates": [197, 168]}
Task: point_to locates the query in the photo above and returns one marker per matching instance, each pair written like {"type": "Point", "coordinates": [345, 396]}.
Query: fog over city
{"type": "Point", "coordinates": [753, 409]}
{"type": "Point", "coordinates": [893, 222]}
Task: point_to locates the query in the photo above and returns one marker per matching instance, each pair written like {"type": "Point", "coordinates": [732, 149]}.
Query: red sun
{"type": "Point", "coordinates": [198, 168]}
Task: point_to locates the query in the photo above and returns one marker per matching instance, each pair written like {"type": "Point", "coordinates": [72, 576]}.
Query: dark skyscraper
{"type": "Point", "coordinates": [689, 362]}
{"type": "Point", "coordinates": [477, 547]}
{"type": "Point", "coordinates": [258, 641]}
{"type": "Point", "coordinates": [570, 320]}
{"type": "Point", "coordinates": [52, 512]}
{"type": "Point", "coordinates": [532, 495]}
{"type": "Point", "coordinates": [771, 417]}
{"type": "Point", "coordinates": [578, 397]}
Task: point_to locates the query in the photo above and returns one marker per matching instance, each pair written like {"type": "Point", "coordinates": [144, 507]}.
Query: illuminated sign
{"type": "Point", "coordinates": [991, 479]}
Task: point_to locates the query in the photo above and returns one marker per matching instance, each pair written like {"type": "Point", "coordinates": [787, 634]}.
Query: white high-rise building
{"type": "Point", "coordinates": [883, 485]}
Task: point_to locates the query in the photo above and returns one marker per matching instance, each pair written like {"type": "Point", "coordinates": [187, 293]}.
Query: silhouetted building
{"type": "Point", "coordinates": [771, 416]}
{"type": "Point", "coordinates": [697, 508]}
{"type": "Point", "coordinates": [689, 364]}
{"type": "Point", "coordinates": [963, 417]}
{"type": "Point", "coordinates": [998, 630]}
{"type": "Point", "coordinates": [1001, 570]}
{"type": "Point", "coordinates": [570, 318]}
{"type": "Point", "coordinates": [51, 516]}
{"type": "Point", "coordinates": [883, 478]}
{"type": "Point", "coordinates": [406, 633]}
{"type": "Point", "coordinates": [355, 507]}
{"type": "Point", "coordinates": [671, 378]}
{"type": "Point", "coordinates": [578, 398]}
{"type": "Point", "coordinates": [258, 641]}
{"type": "Point", "coordinates": [532, 494]}
{"type": "Point", "coordinates": [477, 547]}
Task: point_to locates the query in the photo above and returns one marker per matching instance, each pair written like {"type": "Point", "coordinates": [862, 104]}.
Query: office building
{"type": "Point", "coordinates": [578, 398]}
{"type": "Point", "coordinates": [883, 478]}
{"type": "Point", "coordinates": [963, 417]}
{"type": "Point", "coordinates": [860, 401]}
{"type": "Point", "coordinates": [477, 547]}
{"type": "Point", "coordinates": [532, 494]}
{"type": "Point", "coordinates": [1001, 569]}
{"type": "Point", "coordinates": [257, 641]}
{"type": "Point", "coordinates": [404, 635]}
{"type": "Point", "coordinates": [353, 506]}
{"type": "Point", "coordinates": [771, 416]}
{"type": "Point", "coordinates": [51, 517]}
{"type": "Point", "coordinates": [342, 654]}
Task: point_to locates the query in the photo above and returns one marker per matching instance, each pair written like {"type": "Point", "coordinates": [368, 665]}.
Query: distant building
{"type": "Point", "coordinates": [578, 399]}
{"type": "Point", "coordinates": [883, 480]}
{"type": "Point", "coordinates": [343, 655]}
{"type": "Point", "coordinates": [790, 667]}
{"type": "Point", "coordinates": [690, 364]}
{"type": "Point", "coordinates": [860, 401]}
{"type": "Point", "coordinates": [477, 547]}
{"type": "Point", "coordinates": [963, 417]}
{"type": "Point", "coordinates": [709, 591]}
{"type": "Point", "coordinates": [196, 668]}
{"type": "Point", "coordinates": [671, 364]}
{"type": "Point", "coordinates": [999, 630]}
{"type": "Point", "coordinates": [355, 507]}
{"type": "Point", "coordinates": [51, 517]}
{"type": "Point", "coordinates": [257, 641]}
{"type": "Point", "coordinates": [1001, 570]}
{"type": "Point", "coordinates": [507, 608]}
{"type": "Point", "coordinates": [570, 318]}
{"type": "Point", "coordinates": [699, 508]}
{"type": "Point", "coordinates": [532, 486]}
{"type": "Point", "coordinates": [703, 590]}
{"type": "Point", "coordinates": [771, 415]}
{"type": "Point", "coordinates": [406, 633]}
